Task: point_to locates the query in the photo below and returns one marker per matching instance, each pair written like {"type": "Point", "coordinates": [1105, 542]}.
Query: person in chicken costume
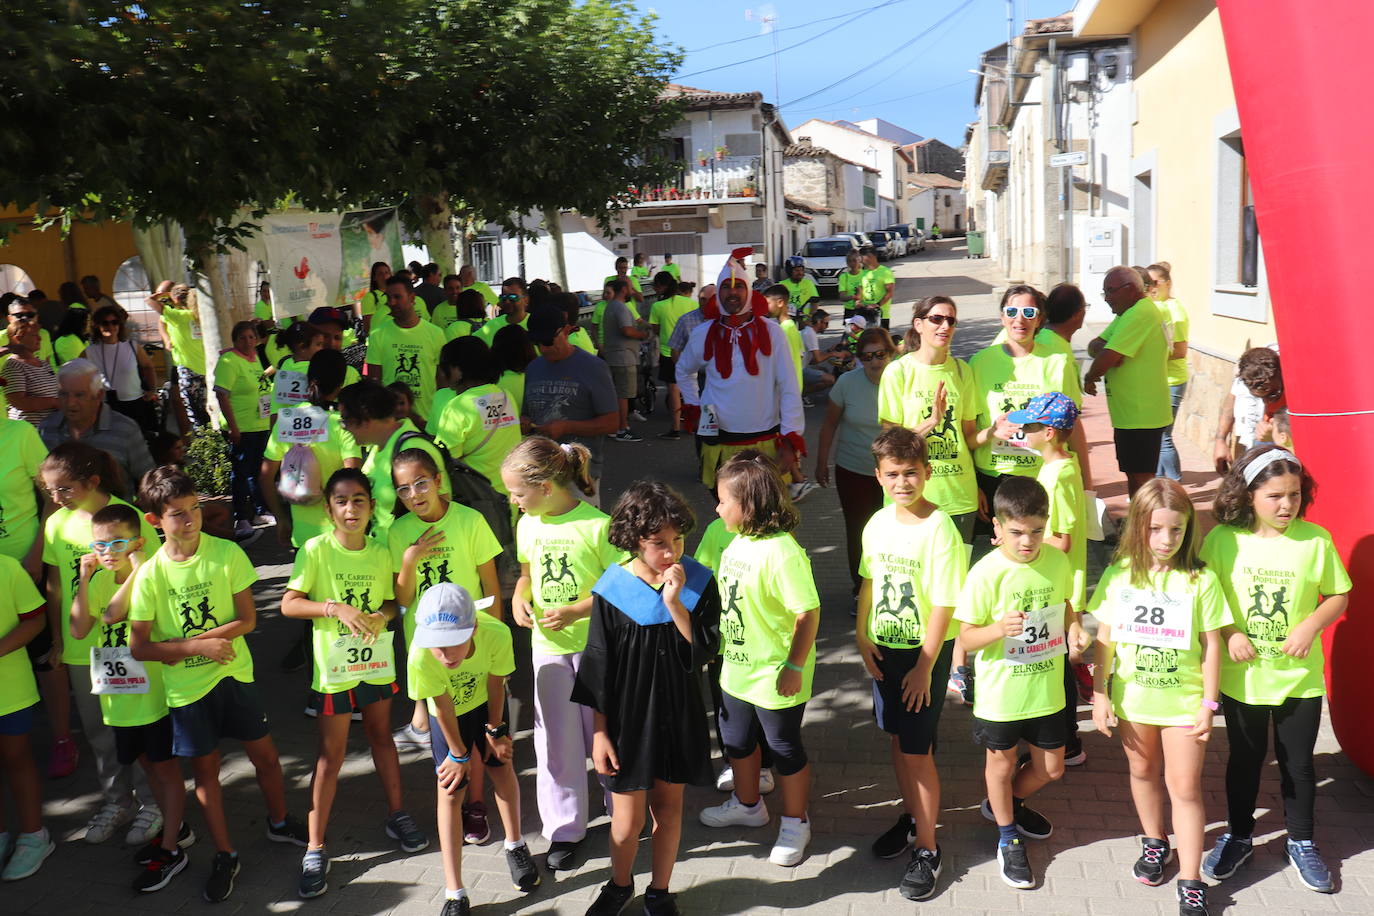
{"type": "Point", "coordinates": [751, 398]}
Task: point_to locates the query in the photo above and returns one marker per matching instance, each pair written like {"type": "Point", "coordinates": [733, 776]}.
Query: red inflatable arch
{"type": "Point", "coordinates": [1308, 145]}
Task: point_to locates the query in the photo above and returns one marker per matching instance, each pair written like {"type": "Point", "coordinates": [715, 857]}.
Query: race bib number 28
{"type": "Point", "coordinates": [1145, 617]}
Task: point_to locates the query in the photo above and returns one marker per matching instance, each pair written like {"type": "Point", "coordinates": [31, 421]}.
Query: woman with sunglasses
{"type": "Point", "coordinates": [1006, 377]}
{"type": "Point", "coordinates": [851, 424]}
{"type": "Point", "coordinates": [128, 372]}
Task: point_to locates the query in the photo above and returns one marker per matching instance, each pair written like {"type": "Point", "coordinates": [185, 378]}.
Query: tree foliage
{"type": "Point", "coordinates": [192, 110]}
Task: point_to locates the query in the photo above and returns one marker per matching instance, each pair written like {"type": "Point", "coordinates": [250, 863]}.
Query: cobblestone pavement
{"type": "Point", "coordinates": [1084, 868]}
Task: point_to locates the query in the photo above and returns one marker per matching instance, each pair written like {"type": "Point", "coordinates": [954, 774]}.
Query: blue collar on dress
{"type": "Point", "coordinates": [629, 593]}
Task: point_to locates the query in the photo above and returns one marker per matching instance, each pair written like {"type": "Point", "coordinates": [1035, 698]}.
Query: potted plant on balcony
{"type": "Point", "coordinates": [748, 190]}
{"type": "Point", "coordinates": [701, 157]}
{"type": "Point", "coordinates": [722, 152]}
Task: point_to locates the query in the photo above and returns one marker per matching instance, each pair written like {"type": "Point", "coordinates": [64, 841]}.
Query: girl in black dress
{"type": "Point", "coordinates": [655, 622]}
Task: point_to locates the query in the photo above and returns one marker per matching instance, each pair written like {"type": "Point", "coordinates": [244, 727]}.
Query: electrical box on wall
{"type": "Point", "coordinates": [1103, 247]}
{"type": "Point", "coordinates": [1076, 68]}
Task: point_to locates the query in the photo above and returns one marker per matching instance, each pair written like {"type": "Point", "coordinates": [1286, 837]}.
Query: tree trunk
{"type": "Point", "coordinates": [436, 229]}
{"type": "Point", "coordinates": [553, 222]}
{"type": "Point", "coordinates": [223, 300]}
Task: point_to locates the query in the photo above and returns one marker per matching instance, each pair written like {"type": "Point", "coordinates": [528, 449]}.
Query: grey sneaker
{"type": "Point", "coordinates": [290, 831]}
{"type": "Point", "coordinates": [314, 874]}
{"type": "Point", "coordinates": [401, 828]}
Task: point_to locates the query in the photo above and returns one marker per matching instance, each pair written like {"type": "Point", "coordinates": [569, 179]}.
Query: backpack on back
{"type": "Point", "coordinates": [299, 480]}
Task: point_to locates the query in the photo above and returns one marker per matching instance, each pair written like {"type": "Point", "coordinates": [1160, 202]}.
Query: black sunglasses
{"type": "Point", "coordinates": [874, 354]}
{"type": "Point", "coordinates": [23, 316]}
{"type": "Point", "coordinates": [938, 320]}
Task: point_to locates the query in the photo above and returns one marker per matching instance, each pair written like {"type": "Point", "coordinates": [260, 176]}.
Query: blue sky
{"type": "Point", "coordinates": [909, 57]}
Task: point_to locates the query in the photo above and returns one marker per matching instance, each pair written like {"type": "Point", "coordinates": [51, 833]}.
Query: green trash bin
{"type": "Point", "coordinates": [975, 243]}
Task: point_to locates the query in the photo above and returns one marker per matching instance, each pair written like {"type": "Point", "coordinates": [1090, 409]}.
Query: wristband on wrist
{"type": "Point", "coordinates": [462, 759]}
{"type": "Point", "coordinates": [329, 608]}
{"type": "Point", "coordinates": [1213, 705]}
{"type": "Point", "coordinates": [791, 667]}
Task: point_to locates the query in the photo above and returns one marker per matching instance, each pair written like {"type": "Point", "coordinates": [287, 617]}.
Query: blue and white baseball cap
{"type": "Point", "coordinates": [445, 616]}
{"type": "Point", "coordinates": [1053, 409]}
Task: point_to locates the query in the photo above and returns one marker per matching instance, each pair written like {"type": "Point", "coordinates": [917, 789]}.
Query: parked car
{"type": "Point", "coordinates": [882, 241]}
{"type": "Point", "coordinates": [914, 238]}
{"type": "Point", "coordinates": [824, 259]}
{"type": "Point", "coordinates": [860, 238]}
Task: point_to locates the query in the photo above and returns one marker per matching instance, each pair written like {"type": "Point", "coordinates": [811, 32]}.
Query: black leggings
{"type": "Point", "coordinates": [1295, 737]}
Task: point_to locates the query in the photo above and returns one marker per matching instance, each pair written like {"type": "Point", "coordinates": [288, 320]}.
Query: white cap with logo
{"type": "Point", "coordinates": [445, 616]}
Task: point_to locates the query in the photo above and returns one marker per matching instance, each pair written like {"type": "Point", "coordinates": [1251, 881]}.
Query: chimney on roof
{"type": "Point", "coordinates": [804, 141]}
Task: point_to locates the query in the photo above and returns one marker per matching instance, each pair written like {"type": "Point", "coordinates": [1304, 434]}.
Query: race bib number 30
{"type": "Point", "coordinates": [1148, 618]}
{"type": "Point", "coordinates": [353, 658]}
{"type": "Point", "coordinates": [303, 424]}
{"type": "Point", "coordinates": [114, 670]}
{"type": "Point", "coordinates": [1042, 639]}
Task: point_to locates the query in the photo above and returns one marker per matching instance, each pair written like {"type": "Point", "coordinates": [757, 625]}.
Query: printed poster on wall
{"type": "Point", "coordinates": [367, 236]}
{"type": "Point", "coordinates": [304, 259]}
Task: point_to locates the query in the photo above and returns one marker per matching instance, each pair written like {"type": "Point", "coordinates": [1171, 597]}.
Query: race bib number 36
{"type": "Point", "coordinates": [303, 424]}
{"type": "Point", "coordinates": [1148, 618]}
{"type": "Point", "coordinates": [114, 670]}
{"type": "Point", "coordinates": [1042, 639]}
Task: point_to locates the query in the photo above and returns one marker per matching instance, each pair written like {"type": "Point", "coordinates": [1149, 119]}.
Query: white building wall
{"type": "Point", "coordinates": [863, 148]}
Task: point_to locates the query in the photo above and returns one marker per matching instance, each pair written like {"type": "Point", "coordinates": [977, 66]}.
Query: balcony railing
{"type": "Point", "coordinates": [730, 177]}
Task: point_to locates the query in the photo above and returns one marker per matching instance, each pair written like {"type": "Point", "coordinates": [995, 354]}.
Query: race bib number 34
{"type": "Point", "coordinates": [1148, 618]}
{"type": "Point", "coordinates": [303, 424]}
{"type": "Point", "coordinates": [114, 670]}
{"type": "Point", "coordinates": [1041, 640]}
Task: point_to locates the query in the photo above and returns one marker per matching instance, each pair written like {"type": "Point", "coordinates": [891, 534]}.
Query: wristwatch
{"type": "Point", "coordinates": [498, 731]}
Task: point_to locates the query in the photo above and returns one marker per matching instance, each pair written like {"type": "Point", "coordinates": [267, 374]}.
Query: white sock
{"type": "Point", "coordinates": [513, 844]}
{"type": "Point", "coordinates": [451, 894]}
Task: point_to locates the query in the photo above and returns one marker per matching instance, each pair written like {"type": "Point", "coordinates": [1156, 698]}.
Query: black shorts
{"type": "Point", "coordinates": [38, 647]}
{"type": "Point", "coordinates": [742, 721]}
{"type": "Point", "coordinates": [667, 370]}
{"type": "Point", "coordinates": [472, 728]}
{"type": "Point", "coordinates": [19, 722]}
{"type": "Point", "coordinates": [1046, 732]}
{"type": "Point", "coordinates": [1137, 450]}
{"type": "Point", "coordinates": [153, 739]}
{"type": "Point", "coordinates": [347, 702]}
{"type": "Point", "coordinates": [232, 709]}
{"type": "Point", "coordinates": [915, 731]}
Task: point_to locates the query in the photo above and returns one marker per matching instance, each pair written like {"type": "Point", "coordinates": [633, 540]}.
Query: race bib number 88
{"type": "Point", "coordinates": [303, 424]}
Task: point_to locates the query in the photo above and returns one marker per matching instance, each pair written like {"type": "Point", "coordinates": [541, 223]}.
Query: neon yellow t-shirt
{"type": "Point", "coordinates": [765, 582]}
{"type": "Point", "coordinates": [408, 355]}
{"type": "Point", "coordinates": [21, 452]}
{"type": "Point", "coordinates": [68, 347]}
{"type": "Point", "coordinates": [794, 343]}
{"type": "Point", "coordinates": [1063, 482]}
{"type": "Point", "coordinates": [377, 467]}
{"type": "Point", "coordinates": [480, 427]}
{"type": "Point", "coordinates": [468, 544]}
{"type": "Point", "coordinates": [183, 333]}
{"type": "Point", "coordinates": [1177, 315]}
{"type": "Point", "coordinates": [513, 384]}
{"type": "Point", "coordinates": [373, 303]}
{"type": "Point", "coordinates": [466, 686]}
{"type": "Point", "coordinates": [666, 313]}
{"type": "Point", "coordinates": [325, 570]}
{"type": "Point", "coordinates": [582, 340]}
{"type": "Point", "coordinates": [598, 313]}
{"type": "Point", "coordinates": [262, 310]}
{"type": "Point", "coordinates": [800, 293]}
{"type": "Point", "coordinates": [847, 284]}
{"type": "Point", "coordinates": [128, 709]}
{"type": "Point", "coordinates": [1004, 383]}
{"type": "Point", "coordinates": [190, 597]}
{"type": "Point", "coordinates": [66, 538]}
{"type": "Point", "coordinates": [18, 599]}
{"type": "Point", "coordinates": [1159, 685]}
{"type": "Point", "coordinates": [674, 270]}
{"type": "Point", "coordinates": [906, 396]}
{"type": "Point", "coordinates": [1271, 585]}
{"type": "Point", "coordinates": [250, 391]}
{"type": "Point", "coordinates": [914, 568]}
{"type": "Point", "coordinates": [873, 285]}
{"type": "Point", "coordinates": [1051, 341]}
{"type": "Point", "coordinates": [488, 331]}
{"type": "Point", "coordinates": [330, 453]}
{"type": "Point", "coordinates": [444, 315]}
{"type": "Point", "coordinates": [460, 327]}
{"type": "Point", "coordinates": [566, 554]}
{"type": "Point", "coordinates": [1007, 691]}
{"type": "Point", "coordinates": [714, 540]}
{"type": "Point", "coordinates": [1138, 389]}
{"type": "Point", "coordinates": [289, 383]}
{"type": "Point", "coordinates": [634, 282]}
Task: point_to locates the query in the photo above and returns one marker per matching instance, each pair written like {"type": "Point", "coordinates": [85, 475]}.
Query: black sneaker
{"type": "Point", "coordinates": [1228, 855]}
{"type": "Point", "coordinates": [922, 873]}
{"type": "Point", "coordinates": [897, 838]}
{"type": "Point", "coordinates": [561, 854]}
{"type": "Point", "coordinates": [186, 838]}
{"type": "Point", "coordinates": [1030, 823]}
{"type": "Point", "coordinates": [1192, 898]}
{"type": "Point", "coordinates": [659, 903]}
{"type": "Point", "coordinates": [626, 436]}
{"type": "Point", "coordinates": [612, 900]}
{"type": "Point", "coordinates": [670, 434]}
{"type": "Point", "coordinates": [456, 908]}
{"type": "Point", "coordinates": [524, 873]}
{"type": "Point", "coordinates": [1154, 855]}
{"type": "Point", "coordinates": [223, 870]}
{"type": "Point", "coordinates": [965, 683]}
{"type": "Point", "coordinates": [1015, 864]}
{"type": "Point", "coordinates": [401, 828]}
{"type": "Point", "coordinates": [314, 874]}
{"type": "Point", "coordinates": [291, 831]}
{"type": "Point", "coordinates": [161, 869]}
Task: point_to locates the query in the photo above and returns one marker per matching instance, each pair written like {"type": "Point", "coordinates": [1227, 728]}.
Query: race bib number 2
{"type": "Point", "coordinates": [302, 424]}
{"type": "Point", "coordinates": [1042, 639]}
{"type": "Point", "coordinates": [289, 387]}
{"type": "Point", "coordinates": [114, 670]}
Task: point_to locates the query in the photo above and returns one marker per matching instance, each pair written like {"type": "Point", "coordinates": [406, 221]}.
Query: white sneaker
{"type": "Point", "coordinates": [638, 417]}
{"type": "Point", "coordinates": [107, 820]}
{"type": "Point", "coordinates": [725, 782]}
{"type": "Point", "coordinates": [730, 813]}
{"type": "Point", "coordinates": [793, 835]}
{"type": "Point", "coordinates": [147, 826]}
{"type": "Point", "coordinates": [408, 737]}
{"type": "Point", "coordinates": [800, 491]}
{"type": "Point", "coordinates": [265, 520]}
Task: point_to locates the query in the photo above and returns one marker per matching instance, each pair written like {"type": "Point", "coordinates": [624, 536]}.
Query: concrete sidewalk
{"type": "Point", "coordinates": [1084, 868]}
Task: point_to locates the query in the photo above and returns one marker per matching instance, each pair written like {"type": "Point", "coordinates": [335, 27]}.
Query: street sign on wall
{"type": "Point", "coordinates": [1078, 157]}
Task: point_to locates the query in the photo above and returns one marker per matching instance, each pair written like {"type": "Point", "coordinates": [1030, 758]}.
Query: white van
{"type": "Point", "coordinates": [824, 259]}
